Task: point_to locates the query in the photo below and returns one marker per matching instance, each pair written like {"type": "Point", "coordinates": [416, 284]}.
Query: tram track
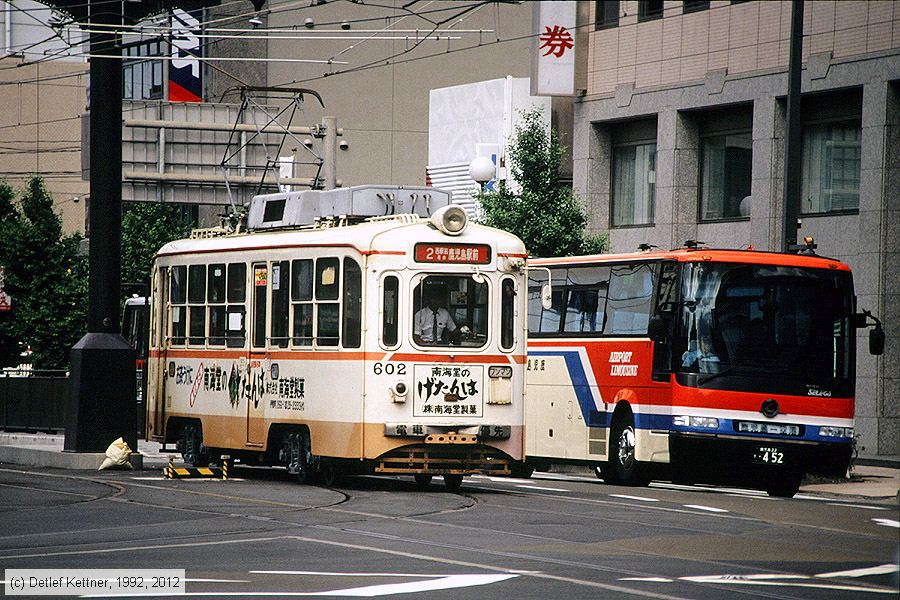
{"type": "Point", "coordinates": [276, 523]}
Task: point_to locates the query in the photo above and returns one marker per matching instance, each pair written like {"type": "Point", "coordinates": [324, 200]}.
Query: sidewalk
{"type": "Point", "coordinates": [45, 450]}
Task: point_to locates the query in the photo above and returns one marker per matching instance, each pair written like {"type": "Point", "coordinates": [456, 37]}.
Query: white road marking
{"type": "Point", "coordinates": [220, 580]}
{"type": "Point", "coordinates": [545, 489]}
{"type": "Point", "coordinates": [707, 508]}
{"type": "Point", "coordinates": [369, 591]}
{"type": "Point", "coordinates": [627, 497]}
{"type": "Point", "coordinates": [741, 580]}
{"type": "Point", "coordinates": [337, 574]}
{"type": "Point", "coordinates": [879, 570]}
{"type": "Point", "coordinates": [858, 506]}
{"type": "Point", "coordinates": [888, 523]}
{"type": "Point", "coordinates": [649, 579]}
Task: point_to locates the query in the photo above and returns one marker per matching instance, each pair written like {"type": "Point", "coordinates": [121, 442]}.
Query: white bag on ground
{"type": "Point", "coordinates": [117, 456]}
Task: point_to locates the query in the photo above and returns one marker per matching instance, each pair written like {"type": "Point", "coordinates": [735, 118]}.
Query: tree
{"type": "Point", "coordinates": [10, 348]}
{"type": "Point", "coordinates": [146, 227]}
{"type": "Point", "coordinates": [544, 214]}
{"type": "Point", "coordinates": [45, 276]}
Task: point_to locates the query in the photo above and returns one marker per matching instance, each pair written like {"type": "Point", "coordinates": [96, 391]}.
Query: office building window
{"type": "Point", "coordinates": [831, 164]}
{"type": "Point", "coordinates": [607, 14]}
{"type": "Point", "coordinates": [634, 184]}
{"type": "Point", "coordinates": [142, 77]}
{"type": "Point", "coordinates": [690, 6]}
{"type": "Point", "coordinates": [725, 173]}
{"type": "Point", "coordinates": [649, 10]}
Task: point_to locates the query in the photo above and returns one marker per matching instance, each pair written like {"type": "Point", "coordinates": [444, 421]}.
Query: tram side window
{"type": "Point", "coordinates": [586, 302]}
{"type": "Point", "coordinates": [390, 311]}
{"type": "Point", "coordinates": [327, 313]}
{"type": "Point", "coordinates": [196, 304]}
{"type": "Point", "coordinates": [507, 314]}
{"type": "Point", "coordinates": [351, 323]}
{"type": "Point", "coordinates": [301, 301]}
{"type": "Point", "coordinates": [177, 308]}
{"type": "Point", "coordinates": [280, 282]}
{"type": "Point", "coordinates": [236, 311]}
{"type": "Point", "coordinates": [215, 297]}
{"type": "Point", "coordinates": [630, 299]}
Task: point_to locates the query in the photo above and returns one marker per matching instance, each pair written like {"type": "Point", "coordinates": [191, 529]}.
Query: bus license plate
{"type": "Point", "coordinates": [768, 455]}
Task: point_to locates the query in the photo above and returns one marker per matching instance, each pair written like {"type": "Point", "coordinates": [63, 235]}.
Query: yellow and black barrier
{"type": "Point", "coordinates": [170, 471]}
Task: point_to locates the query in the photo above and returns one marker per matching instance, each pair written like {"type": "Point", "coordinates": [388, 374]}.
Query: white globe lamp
{"type": "Point", "coordinates": [482, 169]}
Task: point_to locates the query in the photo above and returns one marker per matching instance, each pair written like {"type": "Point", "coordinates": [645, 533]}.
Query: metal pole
{"type": "Point", "coordinates": [329, 167]}
{"type": "Point", "coordinates": [102, 402]}
{"type": "Point", "coordinates": [792, 147]}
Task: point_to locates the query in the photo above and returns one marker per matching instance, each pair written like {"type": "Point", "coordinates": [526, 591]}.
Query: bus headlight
{"type": "Point", "coordinates": [451, 219]}
{"type": "Point", "coordinates": [689, 421]}
{"type": "Point", "coordinates": [836, 431]}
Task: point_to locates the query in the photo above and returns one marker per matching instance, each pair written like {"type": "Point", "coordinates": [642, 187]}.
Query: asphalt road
{"type": "Point", "coordinates": [553, 536]}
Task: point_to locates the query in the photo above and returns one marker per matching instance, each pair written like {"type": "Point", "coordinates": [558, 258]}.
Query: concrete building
{"type": "Point", "coordinates": [680, 135]}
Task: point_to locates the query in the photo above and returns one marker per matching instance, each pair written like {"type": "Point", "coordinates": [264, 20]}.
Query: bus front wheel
{"type": "Point", "coordinates": [623, 467]}
{"type": "Point", "coordinates": [786, 485]}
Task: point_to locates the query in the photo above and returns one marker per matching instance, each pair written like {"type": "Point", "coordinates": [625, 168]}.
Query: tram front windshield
{"type": "Point", "coordinates": [776, 325]}
{"type": "Point", "coordinates": [451, 310]}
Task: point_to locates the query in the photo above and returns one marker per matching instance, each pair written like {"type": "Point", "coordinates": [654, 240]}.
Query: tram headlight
{"type": "Point", "coordinates": [689, 421]}
{"type": "Point", "coordinates": [451, 219]}
{"type": "Point", "coordinates": [398, 392]}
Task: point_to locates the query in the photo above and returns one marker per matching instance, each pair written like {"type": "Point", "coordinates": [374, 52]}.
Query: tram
{"type": "Point", "coordinates": [730, 366]}
{"type": "Point", "coordinates": [371, 329]}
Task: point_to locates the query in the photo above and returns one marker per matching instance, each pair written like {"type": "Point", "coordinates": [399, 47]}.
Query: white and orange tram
{"type": "Point", "coordinates": [367, 329]}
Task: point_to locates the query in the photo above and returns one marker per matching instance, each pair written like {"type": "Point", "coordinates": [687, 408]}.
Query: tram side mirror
{"type": "Point", "coordinates": [876, 341]}
{"type": "Point", "coordinates": [547, 296]}
{"type": "Point", "coordinates": [658, 328]}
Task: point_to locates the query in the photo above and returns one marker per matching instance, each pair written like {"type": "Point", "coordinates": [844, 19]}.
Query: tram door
{"type": "Point", "coordinates": [157, 368]}
{"type": "Point", "coordinates": [256, 426]}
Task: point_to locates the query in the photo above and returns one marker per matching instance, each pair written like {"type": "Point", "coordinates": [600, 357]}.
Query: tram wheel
{"type": "Point", "coordinates": [452, 482]}
{"type": "Point", "coordinates": [193, 452]}
{"type": "Point", "coordinates": [422, 480]}
{"type": "Point", "coordinates": [521, 470]}
{"type": "Point", "coordinates": [328, 474]}
{"type": "Point", "coordinates": [623, 467]}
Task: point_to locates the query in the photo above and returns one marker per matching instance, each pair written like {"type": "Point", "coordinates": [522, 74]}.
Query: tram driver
{"type": "Point", "coordinates": [433, 321]}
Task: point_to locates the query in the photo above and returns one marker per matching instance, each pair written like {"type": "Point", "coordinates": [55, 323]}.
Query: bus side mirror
{"type": "Point", "coordinates": [658, 328]}
{"type": "Point", "coordinates": [546, 297]}
{"type": "Point", "coordinates": [876, 341]}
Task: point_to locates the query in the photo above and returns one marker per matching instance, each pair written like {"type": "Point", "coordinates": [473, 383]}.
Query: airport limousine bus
{"type": "Point", "coordinates": [296, 342]}
{"type": "Point", "coordinates": [717, 365]}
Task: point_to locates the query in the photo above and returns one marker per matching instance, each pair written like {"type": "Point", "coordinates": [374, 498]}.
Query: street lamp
{"type": "Point", "coordinates": [482, 169]}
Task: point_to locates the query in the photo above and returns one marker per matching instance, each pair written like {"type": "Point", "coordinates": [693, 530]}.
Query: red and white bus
{"type": "Point", "coordinates": [299, 342]}
{"type": "Point", "coordinates": [723, 365]}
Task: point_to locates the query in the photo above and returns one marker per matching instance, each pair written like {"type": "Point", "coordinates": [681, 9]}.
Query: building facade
{"type": "Point", "coordinates": [679, 136]}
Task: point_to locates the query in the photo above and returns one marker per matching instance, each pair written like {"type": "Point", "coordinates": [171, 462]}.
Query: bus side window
{"type": "Point", "coordinates": [280, 281]}
{"type": "Point", "coordinates": [351, 323]}
{"type": "Point", "coordinates": [177, 308]}
{"type": "Point", "coordinates": [539, 319]}
{"type": "Point", "coordinates": [215, 297]}
{"type": "Point", "coordinates": [586, 302]}
{"type": "Point", "coordinates": [390, 311]}
{"type": "Point", "coordinates": [328, 313]}
{"type": "Point", "coordinates": [630, 299]}
{"type": "Point", "coordinates": [301, 301]}
{"type": "Point", "coordinates": [236, 297]}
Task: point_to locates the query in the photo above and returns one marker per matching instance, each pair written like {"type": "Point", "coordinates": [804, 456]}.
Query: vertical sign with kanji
{"type": "Point", "coordinates": [5, 300]}
{"type": "Point", "coordinates": [553, 49]}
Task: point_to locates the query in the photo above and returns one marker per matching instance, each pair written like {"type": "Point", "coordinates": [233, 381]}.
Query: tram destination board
{"type": "Point", "coordinates": [430, 252]}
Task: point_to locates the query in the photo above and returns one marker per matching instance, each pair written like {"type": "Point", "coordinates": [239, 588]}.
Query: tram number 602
{"type": "Point", "coordinates": [389, 368]}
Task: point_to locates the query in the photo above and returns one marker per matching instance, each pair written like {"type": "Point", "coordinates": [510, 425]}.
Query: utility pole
{"type": "Point", "coordinates": [792, 147]}
{"type": "Point", "coordinates": [102, 405]}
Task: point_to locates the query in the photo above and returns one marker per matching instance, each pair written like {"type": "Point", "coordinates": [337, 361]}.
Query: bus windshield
{"type": "Point", "coordinates": [766, 327]}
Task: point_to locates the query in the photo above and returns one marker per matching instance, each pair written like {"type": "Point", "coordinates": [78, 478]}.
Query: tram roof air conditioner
{"type": "Point", "coordinates": [296, 209]}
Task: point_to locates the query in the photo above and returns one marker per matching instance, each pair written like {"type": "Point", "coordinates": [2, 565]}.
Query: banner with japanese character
{"type": "Point", "coordinates": [448, 390]}
{"type": "Point", "coordinates": [553, 49]}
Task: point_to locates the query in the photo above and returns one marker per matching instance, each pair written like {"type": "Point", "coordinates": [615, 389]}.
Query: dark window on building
{"type": "Point", "coordinates": [607, 14]}
{"type": "Point", "coordinates": [695, 6]}
{"type": "Point", "coordinates": [649, 10]}
{"type": "Point", "coordinates": [634, 184]}
{"type": "Point", "coordinates": [831, 167]}
{"type": "Point", "coordinates": [142, 77]}
{"type": "Point", "coordinates": [725, 174]}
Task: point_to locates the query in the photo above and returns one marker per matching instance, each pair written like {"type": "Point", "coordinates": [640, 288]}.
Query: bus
{"type": "Point", "coordinates": [726, 366]}
{"type": "Point", "coordinates": [370, 329]}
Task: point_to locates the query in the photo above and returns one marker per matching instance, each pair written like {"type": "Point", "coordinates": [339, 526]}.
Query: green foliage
{"type": "Point", "coordinates": [146, 227]}
{"type": "Point", "coordinates": [544, 214]}
{"type": "Point", "coordinates": [45, 277]}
